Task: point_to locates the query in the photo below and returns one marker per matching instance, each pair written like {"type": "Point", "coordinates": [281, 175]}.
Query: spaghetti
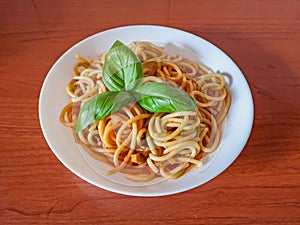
{"type": "Point", "coordinates": [146, 145]}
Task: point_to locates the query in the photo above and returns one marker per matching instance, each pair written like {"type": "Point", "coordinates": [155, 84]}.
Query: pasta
{"type": "Point", "coordinates": [146, 145]}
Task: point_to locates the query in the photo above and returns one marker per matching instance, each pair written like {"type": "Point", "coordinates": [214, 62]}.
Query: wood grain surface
{"type": "Point", "coordinates": [261, 187]}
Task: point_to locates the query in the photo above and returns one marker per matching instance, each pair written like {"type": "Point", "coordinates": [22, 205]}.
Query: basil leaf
{"type": "Point", "coordinates": [122, 68]}
{"type": "Point", "coordinates": [101, 106]}
{"type": "Point", "coordinates": [160, 97]}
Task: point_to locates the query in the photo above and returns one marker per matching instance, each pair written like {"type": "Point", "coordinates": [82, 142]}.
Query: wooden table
{"type": "Point", "coordinates": [261, 187]}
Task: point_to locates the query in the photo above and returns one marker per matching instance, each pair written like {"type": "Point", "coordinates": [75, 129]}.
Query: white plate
{"type": "Point", "coordinates": [53, 98]}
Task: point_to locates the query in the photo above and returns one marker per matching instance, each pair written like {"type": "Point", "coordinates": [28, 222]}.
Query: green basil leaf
{"type": "Point", "coordinates": [122, 68]}
{"type": "Point", "coordinates": [95, 109]}
{"type": "Point", "coordinates": [101, 106]}
{"type": "Point", "coordinates": [160, 97]}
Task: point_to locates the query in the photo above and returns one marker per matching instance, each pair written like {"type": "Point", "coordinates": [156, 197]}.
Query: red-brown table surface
{"type": "Point", "coordinates": [261, 187]}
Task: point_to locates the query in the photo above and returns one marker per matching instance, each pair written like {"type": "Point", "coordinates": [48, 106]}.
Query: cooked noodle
{"type": "Point", "coordinates": [146, 145]}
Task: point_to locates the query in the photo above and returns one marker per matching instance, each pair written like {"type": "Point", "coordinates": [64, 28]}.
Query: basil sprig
{"type": "Point", "coordinates": [123, 76]}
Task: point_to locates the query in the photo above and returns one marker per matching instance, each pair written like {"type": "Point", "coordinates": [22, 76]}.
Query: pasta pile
{"type": "Point", "coordinates": [146, 145]}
